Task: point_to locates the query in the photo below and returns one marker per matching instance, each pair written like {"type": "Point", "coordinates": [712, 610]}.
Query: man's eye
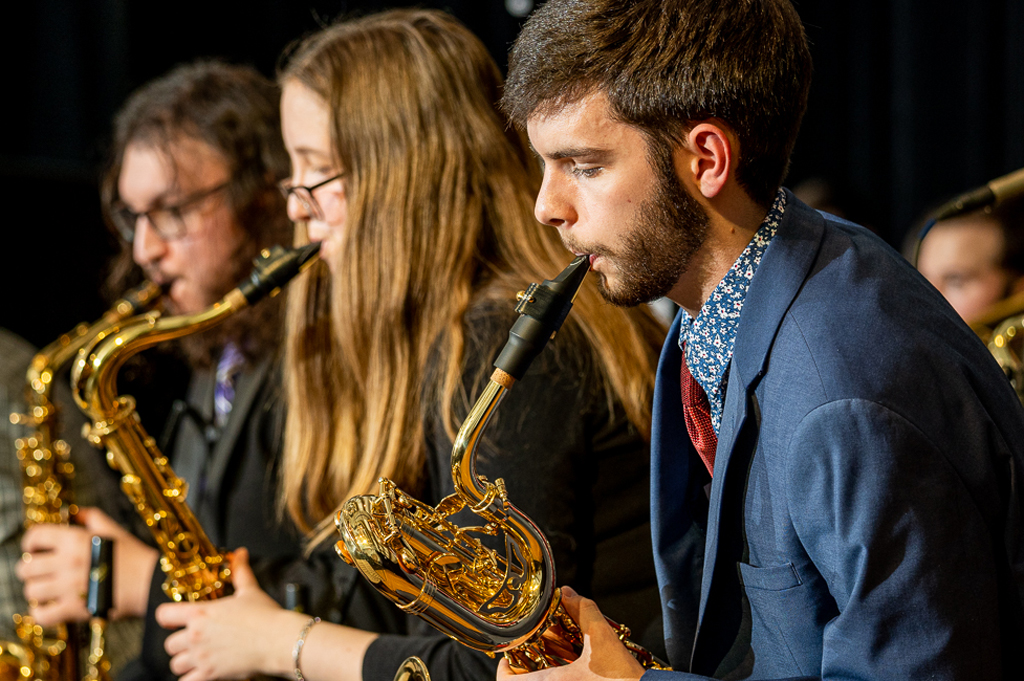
{"type": "Point", "coordinates": [580, 171]}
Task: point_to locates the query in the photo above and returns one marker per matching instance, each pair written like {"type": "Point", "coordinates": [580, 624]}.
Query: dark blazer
{"type": "Point", "coordinates": [865, 516]}
{"type": "Point", "coordinates": [232, 475]}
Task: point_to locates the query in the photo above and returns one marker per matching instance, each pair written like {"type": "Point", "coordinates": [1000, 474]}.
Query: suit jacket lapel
{"type": "Point", "coordinates": [676, 498]}
{"type": "Point", "coordinates": [190, 449]}
{"type": "Point", "coordinates": [782, 272]}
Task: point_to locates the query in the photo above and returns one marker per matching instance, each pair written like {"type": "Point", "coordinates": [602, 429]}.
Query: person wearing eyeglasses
{"type": "Point", "coordinates": [192, 191]}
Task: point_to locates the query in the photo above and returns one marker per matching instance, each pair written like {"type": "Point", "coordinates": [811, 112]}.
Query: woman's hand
{"type": "Point", "coordinates": [55, 568]}
{"type": "Point", "coordinates": [234, 637]}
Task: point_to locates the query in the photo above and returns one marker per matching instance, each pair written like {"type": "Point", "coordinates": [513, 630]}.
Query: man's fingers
{"type": "Point", "coordinates": [584, 612]}
{"type": "Point", "coordinates": [176, 642]}
{"type": "Point", "coordinates": [99, 523]}
{"type": "Point", "coordinates": [48, 589]}
{"type": "Point", "coordinates": [589, 617]}
{"type": "Point", "coordinates": [42, 565]}
{"type": "Point", "coordinates": [174, 616]}
{"type": "Point", "coordinates": [55, 612]}
{"type": "Point", "coordinates": [44, 537]}
{"type": "Point", "coordinates": [571, 602]}
{"type": "Point", "coordinates": [505, 673]}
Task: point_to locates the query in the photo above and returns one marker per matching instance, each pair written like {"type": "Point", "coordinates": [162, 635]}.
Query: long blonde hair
{"type": "Point", "coordinates": [440, 217]}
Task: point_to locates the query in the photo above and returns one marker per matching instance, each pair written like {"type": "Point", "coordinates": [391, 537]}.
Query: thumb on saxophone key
{"type": "Point", "coordinates": [604, 657]}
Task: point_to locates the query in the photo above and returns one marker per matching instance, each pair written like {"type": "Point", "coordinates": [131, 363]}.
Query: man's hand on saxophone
{"type": "Point", "coordinates": [55, 568]}
{"type": "Point", "coordinates": [604, 657]}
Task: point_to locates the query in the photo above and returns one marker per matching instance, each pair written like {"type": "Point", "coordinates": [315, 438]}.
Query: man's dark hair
{"type": "Point", "coordinates": [235, 111]}
{"type": "Point", "coordinates": [666, 65]}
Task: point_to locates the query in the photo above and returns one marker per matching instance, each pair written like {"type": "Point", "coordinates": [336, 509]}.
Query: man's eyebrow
{"type": "Point", "coordinates": [572, 152]}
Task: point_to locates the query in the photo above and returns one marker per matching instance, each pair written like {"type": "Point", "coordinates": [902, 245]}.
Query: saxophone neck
{"type": "Point", "coordinates": [48, 361]}
{"type": "Point", "coordinates": [542, 310]}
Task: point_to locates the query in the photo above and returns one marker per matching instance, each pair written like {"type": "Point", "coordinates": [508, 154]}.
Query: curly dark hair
{"type": "Point", "coordinates": [667, 64]}
{"type": "Point", "coordinates": [235, 111]}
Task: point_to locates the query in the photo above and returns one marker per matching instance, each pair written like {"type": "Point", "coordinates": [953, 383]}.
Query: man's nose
{"type": "Point", "coordinates": [553, 206]}
{"type": "Point", "coordinates": [147, 246]}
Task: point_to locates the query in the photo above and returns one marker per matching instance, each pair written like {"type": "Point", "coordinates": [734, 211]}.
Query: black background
{"type": "Point", "coordinates": [912, 101]}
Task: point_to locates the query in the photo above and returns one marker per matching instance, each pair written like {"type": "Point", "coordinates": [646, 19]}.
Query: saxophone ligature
{"type": "Point", "coordinates": [53, 655]}
{"type": "Point", "coordinates": [415, 555]}
{"type": "Point", "coordinates": [195, 569]}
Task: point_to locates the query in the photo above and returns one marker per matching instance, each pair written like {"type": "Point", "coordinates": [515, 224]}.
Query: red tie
{"type": "Point", "coordinates": [697, 413]}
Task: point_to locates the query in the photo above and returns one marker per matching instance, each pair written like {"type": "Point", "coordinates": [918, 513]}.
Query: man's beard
{"type": "Point", "coordinates": [670, 227]}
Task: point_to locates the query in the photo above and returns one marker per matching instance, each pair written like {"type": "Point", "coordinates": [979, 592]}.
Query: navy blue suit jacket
{"type": "Point", "coordinates": [865, 516]}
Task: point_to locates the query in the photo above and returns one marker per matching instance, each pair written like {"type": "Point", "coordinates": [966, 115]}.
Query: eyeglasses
{"type": "Point", "coordinates": [305, 195]}
{"type": "Point", "coordinates": [167, 221]}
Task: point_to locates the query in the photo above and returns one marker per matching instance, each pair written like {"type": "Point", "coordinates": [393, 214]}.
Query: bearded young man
{"type": "Point", "coordinates": [836, 459]}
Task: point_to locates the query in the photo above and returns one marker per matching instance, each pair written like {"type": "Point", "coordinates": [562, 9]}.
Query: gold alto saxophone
{"type": "Point", "coordinates": [195, 569]}
{"type": "Point", "coordinates": [413, 554]}
{"type": "Point", "coordinates": [46, 473]}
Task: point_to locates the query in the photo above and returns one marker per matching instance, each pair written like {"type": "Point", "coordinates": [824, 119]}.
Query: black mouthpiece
{"type": "Point", "coordinates": [100, 596]}
{"type": "Point", "coordinates": [139, 298]}
{"type": "Point", "coordinates": [542, 308]}
{"type": "Point", "coordinates": [274, 268]}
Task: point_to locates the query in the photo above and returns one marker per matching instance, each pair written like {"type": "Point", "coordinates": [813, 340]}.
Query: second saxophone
{"type": "Point", "coordinates": [195, 569]}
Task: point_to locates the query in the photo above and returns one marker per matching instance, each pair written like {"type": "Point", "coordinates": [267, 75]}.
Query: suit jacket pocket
{"type": "Point", "coordinates": [771, 578]}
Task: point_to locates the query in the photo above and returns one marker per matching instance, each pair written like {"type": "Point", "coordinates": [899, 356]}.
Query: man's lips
{"type": "Point", "coordinates": [591, 256]}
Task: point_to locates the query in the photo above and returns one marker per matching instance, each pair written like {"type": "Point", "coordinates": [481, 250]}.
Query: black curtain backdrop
{"type": "Point", "coordinates": [912, 101]}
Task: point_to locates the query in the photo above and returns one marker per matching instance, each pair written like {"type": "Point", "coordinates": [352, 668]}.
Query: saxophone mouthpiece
{"type": "Point", "coordinates": [274, 268]}
{"type": "Point", "coordinates": [542, 310]}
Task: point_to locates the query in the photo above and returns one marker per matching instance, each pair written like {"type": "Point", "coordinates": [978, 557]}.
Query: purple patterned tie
{"type": "Point", "coordinates": [224, 393]}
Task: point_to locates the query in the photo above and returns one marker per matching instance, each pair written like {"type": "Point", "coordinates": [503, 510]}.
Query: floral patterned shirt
{"type": "Point", "coordinates": [709, 338]}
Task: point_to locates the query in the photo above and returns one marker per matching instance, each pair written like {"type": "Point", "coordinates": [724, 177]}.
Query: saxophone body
{"type": "Point", "coordinates": [492, 601]}
{"type": "Point", "coordinates": [46, 474]}
{"type": "Point", "coordinates": [195, 569]}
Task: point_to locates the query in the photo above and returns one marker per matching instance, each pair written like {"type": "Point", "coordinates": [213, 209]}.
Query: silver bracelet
{"type": "Point", "coordinates": [297, 650]}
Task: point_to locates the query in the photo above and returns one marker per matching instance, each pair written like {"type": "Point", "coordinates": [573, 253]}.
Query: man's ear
{"type": "Point", "coordinates": [709, 157]}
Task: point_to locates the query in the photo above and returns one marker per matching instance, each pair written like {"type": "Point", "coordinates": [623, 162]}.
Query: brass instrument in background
{"type": "Point", "coordinates": [195, 568]}
{"type": "Point", "coordinates": [46, 473]}
{"type": "Point", "coordinates": [421, 560]}
{"type": "Point", "coordinates": [1002, 329]}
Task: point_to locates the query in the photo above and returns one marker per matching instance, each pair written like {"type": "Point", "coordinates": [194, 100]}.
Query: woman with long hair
{"type": "Point", "coordinates": [422, 198]}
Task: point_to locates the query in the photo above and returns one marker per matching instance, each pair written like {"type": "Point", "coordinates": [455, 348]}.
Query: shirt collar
{"type": "Point", "coordinates": [708, 339]}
